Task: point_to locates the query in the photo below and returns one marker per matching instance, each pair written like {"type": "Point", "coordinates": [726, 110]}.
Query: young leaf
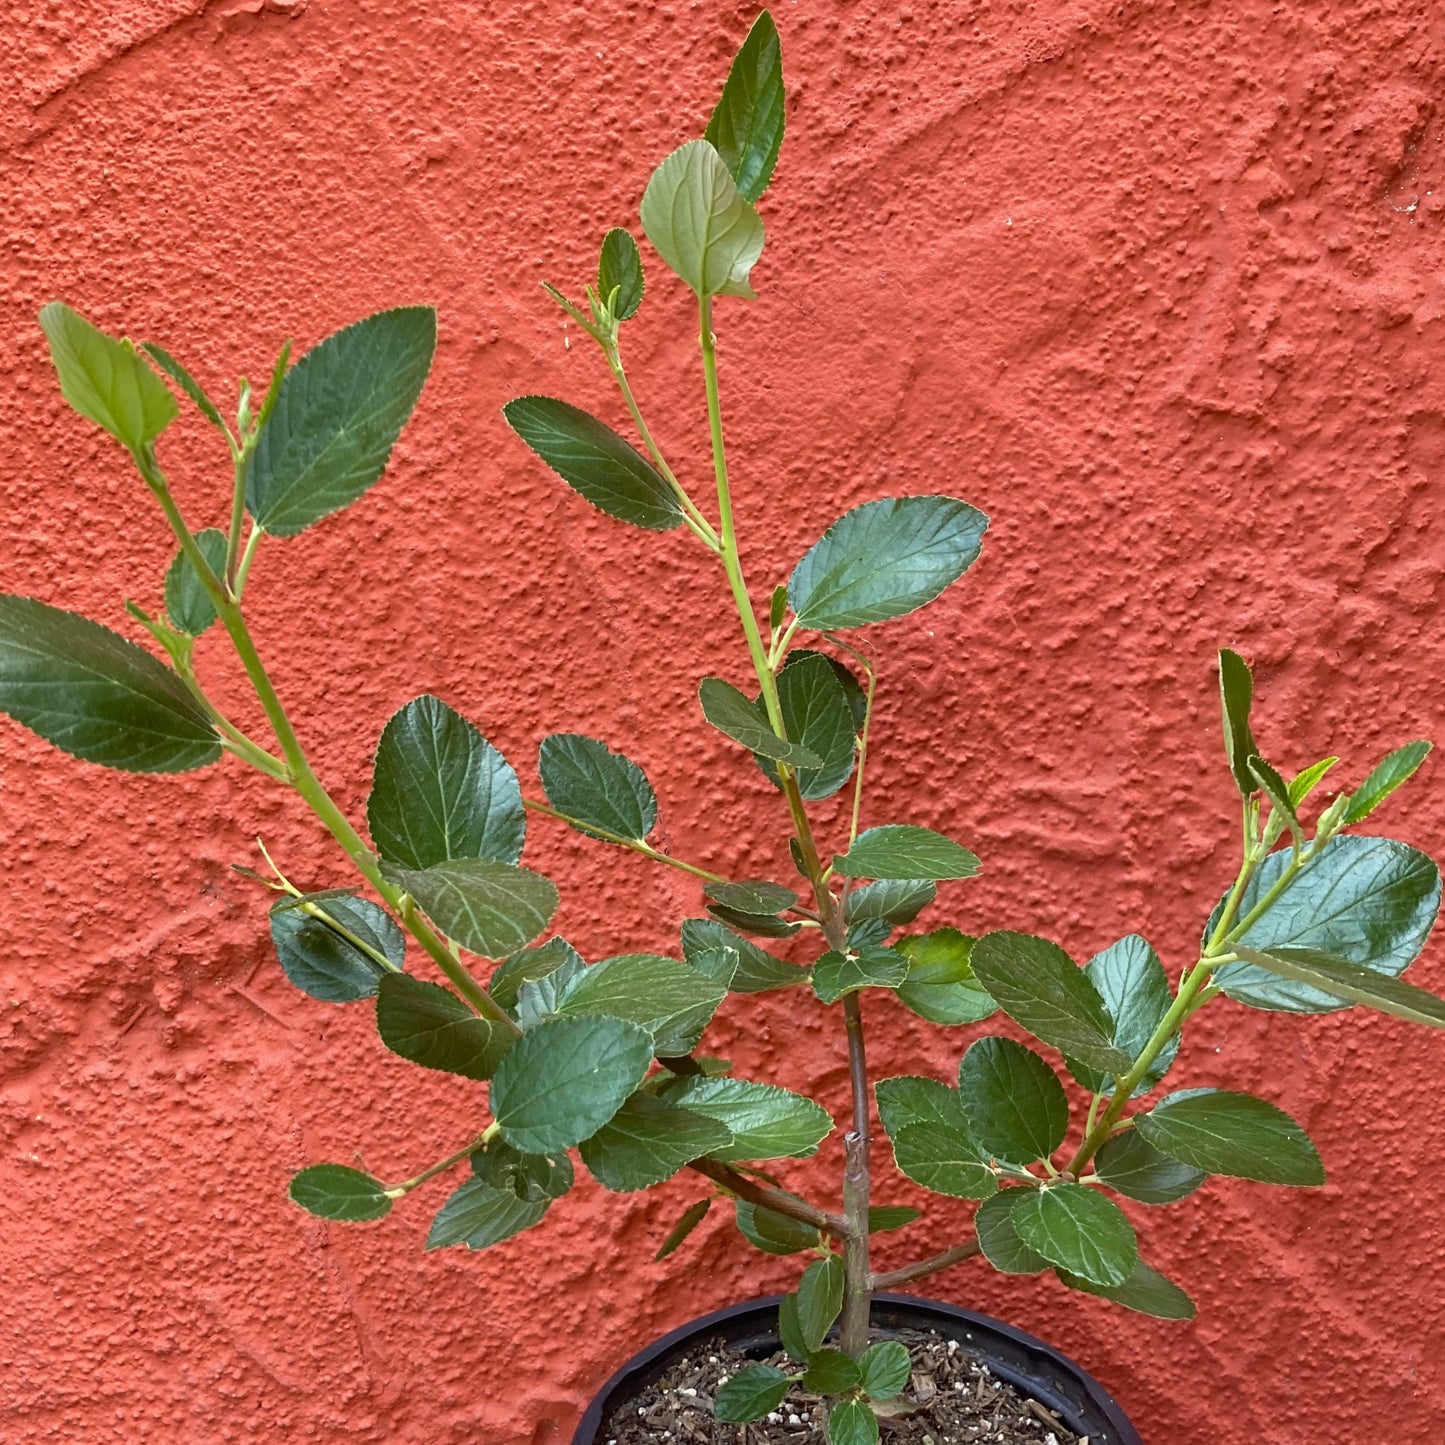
{"type": "Point", "coordinates": [187, 384]}
{"type": "Point", "coordinates": [760, 925]}
{"type": "Point", "coordinates": [1367, 900]}
{"type": "Point", "coordinates": [900, 851]}
{"type": "Point", "coordinates": [820, 1299]}
{"type": "Point", "coordinates": [565, 1079]}
{"type": "Point", "coordinates": [838, 973]}
{"type": "Point", "coordinates": [689, 1220]}
{"type": "Point", "coordinates": [732, 713]}
{"type": "Point", "coordinates": [336, 416]}
{"type": "Point", "coordinates": [326, 964]}
{"type": "Point", "coordinates": [96, 696]}
{"type": "Point", "coordinates": [1277, 791]}
{"type": "Point", "coordinates": [1039, 986]}
{"type": "Point", "coordinates": [1015, 1105]}
{"type": "Point", "coordinates": [885, 559]}
{"type": "Point", "coordinates": [1231, 1134]}
{"type": "Point", "coordinates": [1077, 1229]}
{"type": "Point", "coordinates": [1351, 983]}
{"type": "Point", "coordinates": [940, 986]}
{"type": "Point", "coordinates": [332, 1191]}
{"type": "Point", "coordinates": [1236, 693]}
{"type": "Point", "coordinates": [998, 1238]}
{"type": "Point", "coordinates": [670, 1000]}
{"type": "Point", "coordinates": [851, 1422]}
{"type": "Point", "coordinates": [489, 907]}
{"type": "Point", "coordinates": [753, 896]}
{"type": "Point", "coordinates": [432, 1027]}
{"type": "Point", "coordinates": [619, 268]}
{"type": "Point", "coordinates": [587, 781]}
{"type": "Point", "coordinates": [944, 1158]}
{"type": "Point", "coordinates": [1305, 782]}
{"type": "Point", "coordinates": [530, 1177]}
{"type": "Point", "coordinates": [831, 1372]}
{"type": "Point", "coordinates": [530, 964]}
{"type": "Point", "coordinates": [898, 900]}
{"type": "Point", "coordinates": [105, 380]}
{"type": "Point", "coordinates": [1129, 1164]}
{"type": "Point", "coordinates": [774, 1233]}
{"type": "Point", "coordinates": [647, 1141]}
{"type": "Point", "coordinates": [755, 972]}
{"type": "Point", "coordinates": [1145, 1291]}
{"type": "Point", "coordinates": [597, 463]}
{"type": "Point", "coordinates": [750, 1394]}
{"type": "Point", "coordinates": [816, 714]}
{"type": "Point", "coordinates": [885, 1369]}
{"type": "Point", "coordinates": [746, 129]}
{"type": "Point", "coordinates": [188, 604]}
{"type": "Point", "coordinates": [441, 791]}
{"type": "Point", "coordinates": [479, 1216]}
{"type": "Point", "coordinates": [700, 224]}
{"type": "Point", "coordinates": [1397, 768]}
{"type": "Point", "coordinates": [1136, 993]}
{"type": "Point", "coordinates": [766, 1122]}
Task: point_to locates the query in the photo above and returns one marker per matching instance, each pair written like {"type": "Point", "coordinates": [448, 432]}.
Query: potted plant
{"type": "Point", "coordinates": [603, 1063]}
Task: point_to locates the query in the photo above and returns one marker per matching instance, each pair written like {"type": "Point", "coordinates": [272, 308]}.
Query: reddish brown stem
{"type": "Point", "coordinates": [910, 1272]}
{"type": "Point", "coordinates": [774, 1199]}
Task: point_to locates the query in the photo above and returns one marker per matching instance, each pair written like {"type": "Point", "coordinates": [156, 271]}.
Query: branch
{"type": "Point", "coordinates": [773, 1199]}
{"type": "Point", "coordinates": [909, 1272]}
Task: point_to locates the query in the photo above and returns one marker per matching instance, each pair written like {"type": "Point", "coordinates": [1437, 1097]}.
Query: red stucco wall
{"type": "Point", "coordinates": [1160, 286]}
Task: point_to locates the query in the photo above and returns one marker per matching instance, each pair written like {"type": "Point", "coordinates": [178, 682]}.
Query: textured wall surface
{"type": "Point", "coordinates": [1159, 284]}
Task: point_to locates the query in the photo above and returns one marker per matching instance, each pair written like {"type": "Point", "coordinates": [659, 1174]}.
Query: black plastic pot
{"type": "Point", "coordinates": [1029, 1365]}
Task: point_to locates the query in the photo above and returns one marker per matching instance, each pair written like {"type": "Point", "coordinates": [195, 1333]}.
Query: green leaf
{"type": "Point", "coordinates": [790, 1331]}
{"type": "Point", "coordinates": [750, 1394]}
{"type": "Point", "coordinates": [831, 1372]}
{"type": "Point", "coordinates": [592, 459]}
{"type": "Point", "coordinates": [900, 851]}
{"type": "Point", "coordinates": [752, 896]}
{"type": "Point", "coordinates": [531, 1177]}
{"type": "Point", "coordinates": [1146, 1291]}
{"type": "Point", "coordinates": [332, 1191]}
{"type": "Point", "coordinates": [96, 696]}
{"type": "Point", "coordinates": [1304, 783]}
{"type": "Point", "coordinates": [820, 1299]}
{"type": "Point", "coordinates": [441, 791]}
{"type": "Point", "coordinates": [1039, 986]}
{"type": "Point", "coordinates": [700, 224]}
{"type": "Point", "coordinates": [587, 781]}
{"type": "Point", "coordinates": [565, 1079]}
{"type": "Point", "coordinates": [187, 384]}
{"type": "Point", "coordinates": [1136, 994]}
{"type": "Point", "coordinates": [911, 1099]}
{"type": "Point", "coordinates": [851, 1422]}
{"type": "Point", "coordinates": [867, 932]}
{"type": "Point", "coordinates": [1236, 693]}
{"type": "Point", "coordinates": [1231, 1134]}
{"type": "Point", "coordinates": [885, 1369]}
{"type": "Point", "coordinates": [1347, 981]}
{"type": "Point", "coordinates": [188, 604]}
{"type": "Point", "coordinates": [746, 129]}
{"type": "Point", "coordinates": [105, 380]}
{"type": "Point", "coordinates": [732, 713]}
{"type": "Point", "coordinates": [766, 1122]}
{"type": "Point", "coordinates": [1276, 790]}
{"type": "Point", "coordinates": [944, 1158]}
{"type": "Point", "coordinates": [619, 268]}
{"type": "Point", "coordinates": [325, 963]}
{"type": "Point", "coordinates": [530, 964]}
{"type": "Point", "coordinates": [763, 925]}
{"type": "Point", "coordinates": [998, 1238]}
{"type": "Point", "coordinates": [1079, 1230]}
{"type": "Point", "coordinates": [817, 715]}
{"type": "Point", "coordinates": [478, 1215]}
{"type": "Point", "coordinates": [885, 559]}
{"type": "Point", "coordinates": [1014, 1103]}
{"type": "Point", "coordinates": [648, 1141]}
{"type": "Point", "coordinates": [756, 972]}
{"type": "Point", "coordinates": [670, 1000]}
{"type": "Point", "coordinates": [336, 416]}
{"type": "Point", "coordinates": [774, 1233]}
{"type": "Point", "coordinates": [883, 1218]}
{"type": "Point", "coordinates": [1367, 900]}
{"type": "Point", "coordinates": [836, 974]}
{"type": "Point", "coordinates": [1129, 1164]}
{"type": "Point", "coordinates": [689, 1220]}
{"type": "Point", "coordinates": [432, 1027]}
{"type": "Point", "coordinates": [273, 389]}
{"type": "Point", "coordinates": [898, 900]}
{"type": "Point", "coordinates": [940, 986]}
{"type": "Point", "coordinates": [489, 907]}
{"type": "Point", "coordinates": [1397, 768]}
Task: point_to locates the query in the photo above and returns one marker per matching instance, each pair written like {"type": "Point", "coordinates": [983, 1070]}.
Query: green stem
{"type": "Point", "coordinates": [636, 845]}
{"type": "Point", "coordinates": [316, 911]}
{"type": "Point", "coordinates": [253, 542]}
{"type": "Point", "coordinates": [450, 1162]}
{"type": "Point", "coordinates": [241, 458]}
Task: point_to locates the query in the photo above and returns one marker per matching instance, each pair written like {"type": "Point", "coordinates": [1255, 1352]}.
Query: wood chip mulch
{"type": "Point", "coordinates": [951, 1399]}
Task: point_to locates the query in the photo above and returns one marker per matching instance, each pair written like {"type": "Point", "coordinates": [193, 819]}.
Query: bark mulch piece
{"type": "Point", "coordinates": [951, 1399]}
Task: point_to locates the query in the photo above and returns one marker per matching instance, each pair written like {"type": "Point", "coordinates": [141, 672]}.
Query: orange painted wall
{"type": "Point", "coordinates": [1160, 286]}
